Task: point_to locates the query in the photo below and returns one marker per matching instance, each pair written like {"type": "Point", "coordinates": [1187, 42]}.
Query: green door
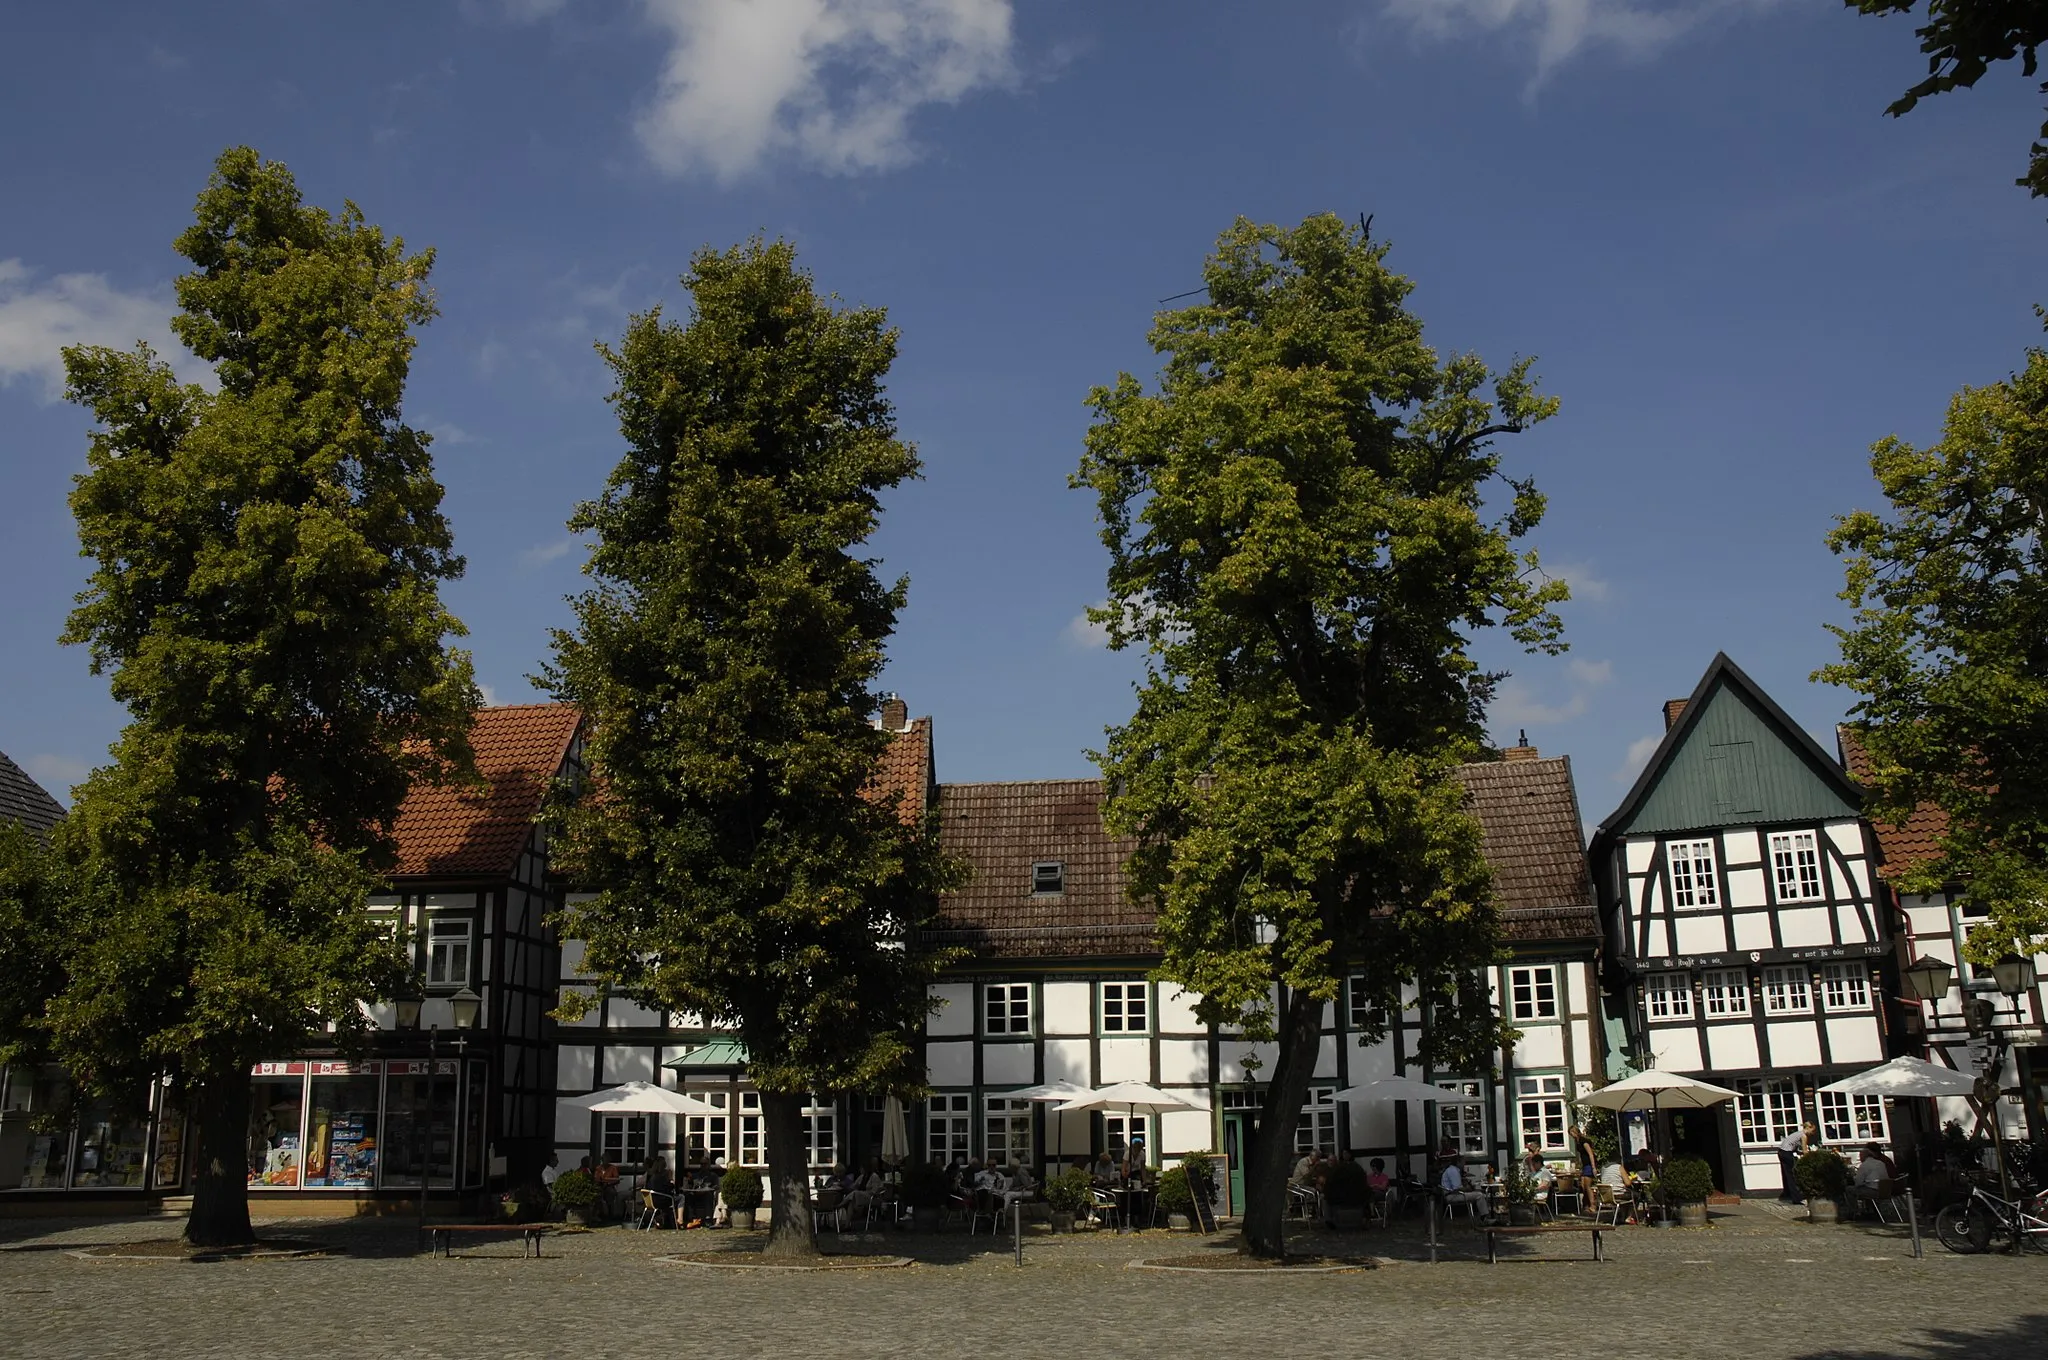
{"type": "Point", "coordinates": [1238, 1127]}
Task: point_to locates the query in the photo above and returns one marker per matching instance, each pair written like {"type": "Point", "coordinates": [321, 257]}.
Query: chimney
{"type": "Point", "coordinates": [1672, 709]}
{"type": "Point", "coordinates": [1521, 750]}
{"type": "Point", "coordinates": [895, 713]}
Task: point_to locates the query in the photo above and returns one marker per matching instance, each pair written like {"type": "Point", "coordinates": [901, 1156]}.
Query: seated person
{"type": "Point", "coordinates": [1376, 1175]}
{"type": "Point", "coordinates": [1304, 1166]}
{"type": "Point", "coordinates": [867, 1187]}
{"type": "Point", "coordinates": [1105, 1170]}
{"type": "Point", "coordinates": [1876, 1178]}
{"type": "Point", "coordinates": [1615, 1177]}
{"type": "Point", "coordinates": [1017, 1184]}
{"type": "Point", "coordinates": [1134, 1159]}
{"type": "Point", "coordinates": [1452, 1183]}
{"type": "Point", "coordinates": [1874, 1152]}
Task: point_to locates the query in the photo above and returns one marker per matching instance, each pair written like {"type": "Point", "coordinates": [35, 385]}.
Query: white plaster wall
{"type": "Point", "coordinates": [1659, 943]}
{"type": "Point", "coordinates": [574, 1066]}
{"type": "Point", "coordinates": [1802, 926]}
{"type": "Point", "coordinates": [1126, 1060]}
{"type": "Point", "coordinates": [1177, 1011]}
{"type": "Point", "coordinates": [1731, 1048]}
{"type": "Point", "coordinates": [1746, 888]}
{"type": "Point", "coordinates": [1677, 1050]}
{"type": "Point", "coordinates": [1184, 1130]}
{"type": "Point", "coordinates": [1793, 1043]}
{"type": "Point", "coordinates": [1006, 1064]}
{"type": "Point", "coordinates": [1231, 1054]}
{"type": "Point", "coordinates": [1847, 837]}
{"type": "Point", "coordinates": [587, 1020]}
{"type": "Point", "coordinates": [572, 1129]}
{"type": "Point", "coordinates": [1575, 988]}
{"type": "Point", "coordinates": [1069, 1008]}
{"type": "Point", "coordinates": [956, 1013]}
{"type": "Point", "coordinates": [950, 1064]}
{"type": "Point", "coordinates": [1326, 1058]}
{"type": "Point", "coordinates": [1701, 935]}
{"type": "Point", "coordinates": [1859, 875]}
{"type": "Point", "coordinates": [1582, 1047]}
{"type": "Point", "coordinates": [1752, 930]}
{"type": "Point", "coordinates": [1067, 1060]}
{"type": "Point", "coordinates": [572, 957]}
{"type": "Point", "coordinates": [1373, 1062]}
{"type": "Point", "coordinates": [1854, 1039]}
{"type": "Point", "coordinates": [669, 1053]}
{"type": "Point", "coordinates": [1638, 852]}
{"type": "Point", "coordinates": [1740, 846]}
{"type": "Point", "coordinates": [1183, 1061]}
{"type": "Point", "coordinates": [1540, 1046]}
{"type": "Point", "coordinates": [1066, 1135]}
{"type": "Point", "coordinates": [1851, 925]}
{"type": "Point", "coordinates": [622, 1014]}
{"type": "Point", "coordinates": [624, 1062]}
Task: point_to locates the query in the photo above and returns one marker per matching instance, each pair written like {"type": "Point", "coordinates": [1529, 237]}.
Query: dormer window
{"type": "Point", "coordinates": [1048, 878]}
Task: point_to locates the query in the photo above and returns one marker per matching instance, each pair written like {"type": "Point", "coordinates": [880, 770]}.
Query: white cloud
{"type": "Point", "coordinates": [1517, 704]}
{"type": "Point", "coordinates": [1558, 30]}
{"type": "Point", "coordinates": [833, 82]}
{"type": "Point", "coordinates": [1082, 631]}
{"type": "Point", "coordinates": [1586, 584]}
{"type": "Point", "coordinates": [511, 11]}
{"type": "Point", "coordinates": [1590, 673]}
{"type": "Point", "coordinates": [38, 319]}
{"type": "Point", "coordinates": [450, 434]}
{"type": "Point", "coordinates": [541, 554]}
{"type": "Point", "coordinates": [1639, 752]}
{"type": "Point", "coordinates": [57, 773]}
{"type": "Point", "coordinates": [490, 695]}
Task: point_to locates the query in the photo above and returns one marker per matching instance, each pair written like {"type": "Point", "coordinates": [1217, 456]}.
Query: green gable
{"type": "Point", "coordinates": [1733, 759]}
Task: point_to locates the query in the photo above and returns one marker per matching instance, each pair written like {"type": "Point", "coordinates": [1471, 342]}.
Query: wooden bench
{"type": "Point", "coordinates": [1493, 1234]}
{"type": "Point", "coordinates": [441, 1236]}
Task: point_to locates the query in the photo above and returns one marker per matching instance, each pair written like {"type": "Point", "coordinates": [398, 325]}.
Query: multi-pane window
{"type": "Point", "coordinates": [705, 1135]}
{"type": "Point", "coordinates": [1118, 1130]}
{"type": "Point", "coordinates": [1123, 1008]}
{"type": "Point", "coordinates": [1532, 993]}
{"type": "Point", "coordinates": [1851, 1119]}
{"type": "Point", "coordinates": [821, 1130]}
{"type": "Point", "coordinates": [448, 953]}
{"type": "Point", "coordinates": [1692, 874]}
{"type": "Point", "coordinates": [1360, 1001]}
{"type": "Point", "coordinates": [1461, 1115]}
{"type": "Point", "coordinates": [1845, 986]}
{"type": "Point", "coordinates": [622, 1139]}
{"type": "Point", "coordinates": [1669, 996]}
{"type": "Point", "coordinates": [1006, 1131]}
{"type": "Point", "coordinates": [1725, 991]}
{"type": "Point", "coordinates": [1795, 865]}
{"type": "Point", "coordinates": [1766, 1109]}
{"type": "Point", "coordinates": [1540, 1110]}
{"type": "Point", "coordinates": [753, 1151]}
{"type": "Point", "coordinates": [1318, 1126]}
{"type": "Point", "coordinates": [948, 1125]}
{"type": "Point", "coordinates": [1786, 991]}
{"type": "Point", "coordinates": [1006, 1008]}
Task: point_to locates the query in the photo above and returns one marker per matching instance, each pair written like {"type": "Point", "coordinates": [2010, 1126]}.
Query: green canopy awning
{"type": "Point", "coordinates": [719, 1055]}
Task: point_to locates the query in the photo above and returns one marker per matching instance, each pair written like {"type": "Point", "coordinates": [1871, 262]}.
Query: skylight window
{"type": "Point", "coordinates": [1048, 878]}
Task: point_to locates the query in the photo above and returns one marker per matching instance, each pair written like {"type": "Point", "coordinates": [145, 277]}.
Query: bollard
{"type": "Point", "coordinates": [1430, 1208]}
{"type": "Point", "coordinates": [1017, 1226]}
{"type": "Point", "coordinates": [1913, 1217]}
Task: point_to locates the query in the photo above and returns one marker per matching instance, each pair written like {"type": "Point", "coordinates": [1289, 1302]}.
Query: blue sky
{"type": "Point", "coordinates": [1737, 275]}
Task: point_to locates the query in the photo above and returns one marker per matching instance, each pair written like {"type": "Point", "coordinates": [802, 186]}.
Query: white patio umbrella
{"type": "Point", "coordinates": [1905, 1077]}
{"type": "Point", "coordinates": [1053, 1093]}
{"type": "Point", "coordinates": [638, 1097]}
{"type": "Point", "coordinates": [1655, 1090]}
{"type": "Point", "coordinates": [1394, 1088]}
{"type": "Point", "coordinates": [1130, 1097]}
{"type": "Point", "coordinates": [895, 1132]}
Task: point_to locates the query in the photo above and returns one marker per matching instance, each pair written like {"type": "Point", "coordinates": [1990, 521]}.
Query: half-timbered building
{"type": "Point", "coordinates": [1747, 936]}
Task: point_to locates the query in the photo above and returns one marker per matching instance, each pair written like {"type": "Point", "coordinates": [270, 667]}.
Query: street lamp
{"type": "Point", "coordinates": [2015, 976]}
{"type": "Point", "coordinates": [1927, 979]}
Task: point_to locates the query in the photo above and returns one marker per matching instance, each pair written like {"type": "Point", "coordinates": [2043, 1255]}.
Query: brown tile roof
{"type": "Point", "coordinates": [907, 768]}
{"type": "Point", "coordinates": [1527, 810]}
{"type": "Point", "coordinates": [1900, 845]}
{"type": "Point", "coordinates": [459, 830]}
{"type": "Point", "coordinates": [25, 801]}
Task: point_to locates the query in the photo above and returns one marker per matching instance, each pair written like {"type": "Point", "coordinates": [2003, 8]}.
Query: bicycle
{"type": "Point", "coordinates": [1970, 1225]}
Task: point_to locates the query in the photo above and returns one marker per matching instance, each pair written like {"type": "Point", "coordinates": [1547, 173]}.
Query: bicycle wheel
{"type": "Point", "coordinates": [1952, 1230]}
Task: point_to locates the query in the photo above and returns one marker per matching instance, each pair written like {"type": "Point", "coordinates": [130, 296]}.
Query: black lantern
{"type": "Point", "coordinates": [2014, 974]}
{"type": "Point", "coordinates": [1927, 979]}
{"type": "Point", "coordinates": [465, 1004]}
{"type": "Point", "coordinates": [408, 1012]}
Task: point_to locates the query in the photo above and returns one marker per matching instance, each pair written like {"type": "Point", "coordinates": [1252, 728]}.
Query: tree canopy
{"type": "Point", "coordinates": [745, 869]}
{"type": "Point", "coordinates": [1962, 40]}
{"type": "Point", "coordinates": [265, 599]}
{"type": "Point", "coordinates": [1301, 539]}
{"type": "Point", "coordinates": [1948, 648]}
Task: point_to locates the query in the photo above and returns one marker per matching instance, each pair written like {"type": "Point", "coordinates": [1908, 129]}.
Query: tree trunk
{"type": "Point", "coordinates": [1272, 1157]}
{"type": "Point", "coordinates": [220, 1178]}
{"type": "Point", "coordinates": [790, 1230]}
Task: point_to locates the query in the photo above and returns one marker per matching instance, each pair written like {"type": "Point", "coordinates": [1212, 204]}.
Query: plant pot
{"type": "Point", "coordinates": [1347, 1217]}
{"type": "Point", "coordinates": [743, 1219]}
{"type": "Point", "coordinates": [1823, 1211]}
{"type": "Point", "coordinates": [1177, 1222]}
{"type": "Point", "coordinates": [1062, 1222]}
{"type": "Point", "coordinates": [584, 1215]}
{"type": "Point", "coordinates": [1521, 1216]}
{"type": "Point", "coordinates": [924, 1220]}
{"type": "Point", "coordinates": [1692, 1215]}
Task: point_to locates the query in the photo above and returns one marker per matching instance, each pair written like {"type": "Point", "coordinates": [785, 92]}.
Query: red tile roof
{"type": "Point", "coordinates": [906, 768]}
{"type": "Point", "coordinates": [466, 831]}
{"type": "Point", "coordinates": [1900, 845]}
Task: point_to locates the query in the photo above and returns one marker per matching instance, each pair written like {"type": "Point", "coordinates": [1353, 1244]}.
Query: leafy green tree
{"type": "Point", "coordinates": [265, 598]}
{"type": "Point", "coordinates": [1299, 538]}
{"type": "Point", "coordinates": [723, 661]}
{"type": "Point", "coordinates": [1948, 648]}
{"type": "Point", "coordinates": [1962, 39]}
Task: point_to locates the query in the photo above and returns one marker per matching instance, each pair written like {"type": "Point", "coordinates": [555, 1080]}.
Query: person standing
{"type": "Point", "coordinates": [1789, 1148]}
{"type": "Point", "coordinates": [552, 1170]}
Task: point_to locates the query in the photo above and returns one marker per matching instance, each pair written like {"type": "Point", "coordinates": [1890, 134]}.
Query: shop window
{"type": "Point", "coordinates": [46, 1160]}
{"type": "Point", "coordinates": [1766, 1109]}
{"type": "Point", "coordinates": [277, 1103]}
{"type": "Point", "coordinates": [1795, 866]}
{"type": "Point", "coordinates": [1461, 1115]}
{"type": "Point", "coordinates": [1725, 991]}
{"type": "Point", "coordinates": [448, 944]}
{"type": "Point", "coordinates": [948, 1127]}
{"type": "Point", "coordinates": [343, 1132]}
{"type": "Point", "coordinates": [419, 1123]}
{"type": "Point", "coordinates": [170, 1147]}
{"type": "Point", "coordinates": [1532, 993]}
{"type": "Point", "coordinates": [1006, 1008]}
{"type": "Point", "coordinates": [1124, 1008]}
{"type": "Point", "coordinates": [1006, 1131]}
{"type": "Point", "coordinates": [1540, 1110]}
{"type": "Point", "coordinates": [1786, 991]}
{"type": "Point", "coordinates": [1669, 996]}
{"type": "Point", "coordinates": [1692, 874]}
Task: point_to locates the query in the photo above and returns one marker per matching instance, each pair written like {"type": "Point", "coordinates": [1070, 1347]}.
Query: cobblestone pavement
{"type": "Point", "coordinates": [1757, 1285]}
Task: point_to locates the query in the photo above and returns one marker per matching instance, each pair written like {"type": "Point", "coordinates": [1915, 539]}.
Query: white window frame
{"type": "Point", "coordinates": [1360, 1004]}
{"type": "Point", "coordinates": [821, 1130]}
{"type": "Point", "coordinates": [1006, 1008]}
{"type": "Point", "coordinates": [1845, 987]}
{"type": "Point", "coordinates": [949, 1126]}
{"type": "Point", "coordinates": [1317, 1127]}
{"type": "Point", "coordinates": [1724, 992]}
{"type": "Point", "coordinates": [1124, 1126]}
{"type": "Point", "coordinates": [1461, 1120]}
{"type": "Point", "coordinates": [1795, 867]}
{"type": "Point", "coordinates": [1006, 1131]}
{"type": "Point", "coordinates": [1694, 884]}
{"type": "Point", "coordinates": [1543, 1110]}
{"type": "Point", "coordinates": [446, 935]}
{"type": "Point", "coordinates": [1788, 990]}
{"type": "Point", "coordinates": [710, 1133]}
{"type": "Point", "coordinates": [1668, 996]}
{"type": "Point", "coordinates": [1766, 1110]}
{"type": "Point", "coordinates": [1126, 1008]}
{"type": "Point", "coordinates": [1532, 992]}
{"type": "Point", "coordinates": [1847, 1119]}
{"type": "Point", "coordinates": [753, 1142]}
{"type": "Point", "coordinates": [626, 1140]}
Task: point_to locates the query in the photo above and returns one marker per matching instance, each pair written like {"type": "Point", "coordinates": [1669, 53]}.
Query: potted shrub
{"type": "Point", "coordinates": [924, 1190]}
{"type": "Point", "coordinates": [1174, 1196]}
{"type": "Point", "coordinates": [1069, 1194]}
{"type": "Point", "coordinates": [1687, 1181]}
{"type": "Point", "coordinates": [1520, 1192]}
{"type": "Point", "coordinates": [526, 1203]}
{"type": "Point", "coordinates": [1345, 1193]}
{"type": "Point", "coordinates": [575, 1192]}
{"type": "Point", "coordinates": [1823, 1178]}
{"type": "Point", "coordinates": [740, 1188]}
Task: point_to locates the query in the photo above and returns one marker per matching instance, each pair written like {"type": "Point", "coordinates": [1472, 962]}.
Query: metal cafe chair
{"type": "Point", "coordinates": [652, 1202]}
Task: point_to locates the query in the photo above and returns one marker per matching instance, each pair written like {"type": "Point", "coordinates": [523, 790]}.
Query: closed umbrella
{"type": "Point", "coordinates": [895, 1132]}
